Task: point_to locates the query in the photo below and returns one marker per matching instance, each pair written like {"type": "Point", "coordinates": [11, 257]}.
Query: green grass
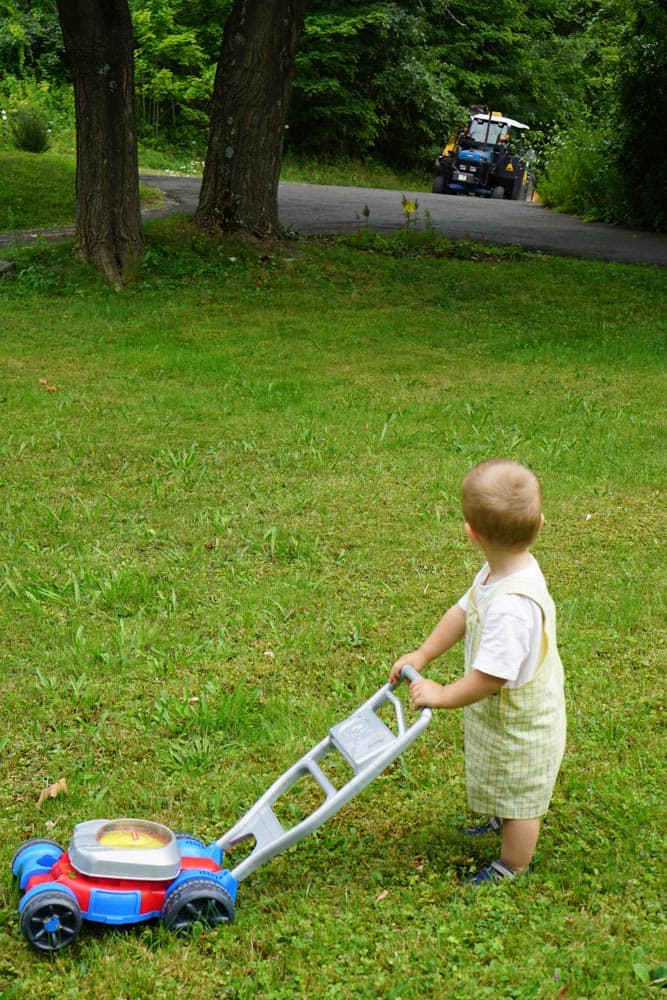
{"type": "Point", "coordinates": [230, 500]}
{"type": "Point", "coordinates": [27, 177]}
{"type": "Point", "coordinates": [39, 191]}
{"type": "Point", "coordinates": [354, 173]}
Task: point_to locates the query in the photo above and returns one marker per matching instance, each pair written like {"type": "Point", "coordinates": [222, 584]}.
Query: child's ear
{"type": "Point", "coordinates": [471, 533]}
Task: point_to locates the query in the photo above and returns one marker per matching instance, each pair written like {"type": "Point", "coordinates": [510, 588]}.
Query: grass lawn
{"type": "Point", "coordinates": [40, 191]}
{"type": "Point", "coordinates": [230, 500]}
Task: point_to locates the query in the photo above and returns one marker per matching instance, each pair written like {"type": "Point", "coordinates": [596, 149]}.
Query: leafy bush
{"type": "Point", "coordinates": [54, 102]}
{"type": "Point", "coordinates": [30, 131]}
{"type": "Point", "coordinates": [581, 176]}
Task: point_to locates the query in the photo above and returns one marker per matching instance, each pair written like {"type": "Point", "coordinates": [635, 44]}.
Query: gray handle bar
{"type": "Point", "coordinates": [409, 673]}
{"type": "Point", "coordinates": [363, 740]}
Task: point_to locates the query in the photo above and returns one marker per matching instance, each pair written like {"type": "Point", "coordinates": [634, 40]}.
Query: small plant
{"type": "Point", "coordinates": [30, 131]}
{"type": "Point", "coordinates": [410, 207]}
{"type": "Point", "coordinates": [366, 214]}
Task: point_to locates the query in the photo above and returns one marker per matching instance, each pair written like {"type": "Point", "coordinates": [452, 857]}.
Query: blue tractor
{"type": "Point", "coordinates": [487, 159]}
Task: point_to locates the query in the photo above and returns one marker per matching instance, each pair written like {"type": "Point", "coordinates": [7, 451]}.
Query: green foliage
{"type": "Point", "coordinates": [582, 176]}
{"type": "Point", "coordinates": [642, 97]}
{"type": "Point", "coordinates": [30, 131]}
{"type": "Point", "coordinates": [610, 164]}
{"type": "Point", "coordinates": [176, 53]}
{"type": "Point", "coordinates": [173, 76]}
{"type": "Point", "coordinates": [332, 98]}
{"type": "Point", "coordinates": [30, 38]}
{"type": "Point", "coordinates": [375, 79]}
{"type": "Point", "coordinates": [51, 101]}
{"type": "Point", "coordinates": [395, 78]}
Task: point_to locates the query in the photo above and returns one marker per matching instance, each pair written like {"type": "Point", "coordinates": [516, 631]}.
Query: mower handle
{"type": "Point", "coordinates": [363, 740]}
{"type": "Point", "coordinates": [409, 673]}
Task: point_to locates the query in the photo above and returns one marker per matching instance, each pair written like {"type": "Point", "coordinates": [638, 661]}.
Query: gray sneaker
{"type": "Point", "coordinates": [495, 872]}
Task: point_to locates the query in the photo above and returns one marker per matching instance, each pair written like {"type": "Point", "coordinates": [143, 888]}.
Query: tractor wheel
{"type": "Point", "coordinates": [198, 901]}
{"type": "Point", "coordinates": [438, 184]}
{"type": "Point", "coordinates": [51, 920]}
{"type": "Point", "coordinates": [498, 191]}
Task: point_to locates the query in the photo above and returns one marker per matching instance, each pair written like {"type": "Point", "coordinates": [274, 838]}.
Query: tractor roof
{"type": "Point", "coordinates": [500, 119]}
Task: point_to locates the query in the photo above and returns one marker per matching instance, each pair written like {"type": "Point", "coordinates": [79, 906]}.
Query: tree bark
{"type": "Point", "coordinates": [100, 48]}
{"type": "Point", "coordinates": [251, 96]}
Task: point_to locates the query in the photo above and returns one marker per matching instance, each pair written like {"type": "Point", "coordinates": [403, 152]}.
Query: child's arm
{"type": "Point", "coordinates": [465, 691]}
{"type": "Point", "coordinates": [446, 633]}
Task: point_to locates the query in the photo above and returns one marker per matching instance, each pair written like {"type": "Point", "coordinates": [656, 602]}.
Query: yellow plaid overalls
{"type": "Point", "coordinates": [515, 739]}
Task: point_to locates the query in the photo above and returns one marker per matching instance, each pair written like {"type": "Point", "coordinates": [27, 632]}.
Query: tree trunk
{"type": "Point", "coordinates": [100, 48]}
{"type": "Point", "coordinates": [251, 96]}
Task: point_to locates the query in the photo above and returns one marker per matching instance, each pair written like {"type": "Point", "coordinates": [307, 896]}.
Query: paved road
{"type": "Point", "coordinates": [317, 209]}
{"type": "Point", "coordinates": [313, 209]}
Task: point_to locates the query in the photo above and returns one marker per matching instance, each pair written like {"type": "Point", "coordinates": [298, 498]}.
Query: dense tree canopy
{"type": "Point", "coordinates": [392, 78]}
{"type": "Point", "coordinates": [30, 38]}
{"type": "Point", "coordinates": [642, 99]}
{"type": "Point", "coordinates": [387, 77]}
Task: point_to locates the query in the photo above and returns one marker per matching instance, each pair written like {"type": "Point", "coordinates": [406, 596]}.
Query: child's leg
{"type": "Point", "coordinates": [519, 842]}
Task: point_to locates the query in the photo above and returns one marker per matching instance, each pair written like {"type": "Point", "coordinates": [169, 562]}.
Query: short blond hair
{"type": "Point", "coordinates": [502, 502]}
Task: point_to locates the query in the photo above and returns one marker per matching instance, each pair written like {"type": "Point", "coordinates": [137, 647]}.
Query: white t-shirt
{"type": "Point", "coordinates": [512, 630]}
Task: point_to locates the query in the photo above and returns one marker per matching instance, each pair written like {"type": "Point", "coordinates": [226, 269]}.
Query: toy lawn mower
{"type": "Point", "coordinates": [124, 871]}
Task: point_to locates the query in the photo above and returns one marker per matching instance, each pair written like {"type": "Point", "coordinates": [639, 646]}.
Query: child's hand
{"type": "Point", "coordinates": [415, 660]}
{"type": "Point", "coordinates": [425, 693]}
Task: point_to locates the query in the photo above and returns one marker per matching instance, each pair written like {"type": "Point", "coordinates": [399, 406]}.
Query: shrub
{"type": "Point", "coordinates": [581, 175]}
{"type": "Point", "coordinates": [30, 131]}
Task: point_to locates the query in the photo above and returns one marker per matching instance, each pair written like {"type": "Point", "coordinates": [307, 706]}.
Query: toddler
{"type": "Point", "coordinates": [512, 688]}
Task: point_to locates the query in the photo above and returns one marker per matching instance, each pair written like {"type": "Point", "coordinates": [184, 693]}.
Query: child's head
{"type": "Point", "coordinates": [502, 502]}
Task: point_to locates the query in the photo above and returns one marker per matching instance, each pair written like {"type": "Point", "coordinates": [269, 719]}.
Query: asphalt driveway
{"type": "Point", "coordinates": [316, 209]}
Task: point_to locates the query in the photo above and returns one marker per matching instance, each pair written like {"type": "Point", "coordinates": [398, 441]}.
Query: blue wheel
{"type": "Point", "coordinates": [198, 901]}
{"type": "Point", "coordinates": [39, 853]}
{"type": "Point", "coordinates": [51, 920]}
